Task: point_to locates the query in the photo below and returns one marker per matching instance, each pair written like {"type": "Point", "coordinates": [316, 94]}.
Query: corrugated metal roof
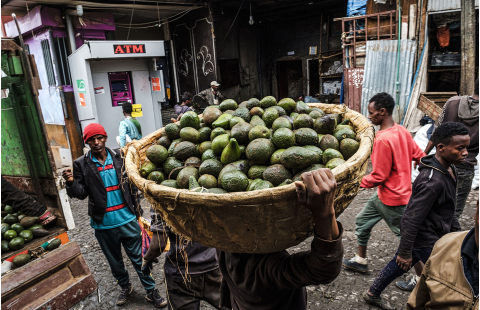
{"type": "Point", "coordinates": [381, 72]}
{"type": "Point", "coordinates": [445, 5]}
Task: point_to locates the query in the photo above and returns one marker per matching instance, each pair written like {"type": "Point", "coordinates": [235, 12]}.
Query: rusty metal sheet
{"type": "Point", "coordinates": [353, 87]}
{"type": "Point", "coordinates": [25, 184]}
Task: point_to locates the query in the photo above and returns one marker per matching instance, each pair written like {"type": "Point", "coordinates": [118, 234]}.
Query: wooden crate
{"type": "Point", "coordinates": [429, 107]}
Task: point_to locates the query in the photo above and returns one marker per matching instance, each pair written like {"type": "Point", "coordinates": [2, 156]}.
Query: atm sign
{"type": "Point", "coordinates": [129, 49]}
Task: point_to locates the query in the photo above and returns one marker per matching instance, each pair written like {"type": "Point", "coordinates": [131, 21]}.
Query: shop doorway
{"type": "Point", "coordinates": [289, 78]}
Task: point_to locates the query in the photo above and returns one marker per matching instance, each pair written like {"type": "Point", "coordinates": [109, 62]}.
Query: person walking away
{"type": "Point", "coordinates": [20, 201]}
{"type": "Point", "coordinates": [463, 109]}
{"type": "Point", "coordinates": [277, 280]}
{"type": "Point", "coordinates": [185, 290]}
{"type": "Point", "coordinates": [185, 106]}
{"type": "Point", "coordinates": [450, 276]}
{"type": "Point", "coordinates": [392, 156]}
{"type": "Point", "coordinates": [129, 129]}
{"type": "Point", "coordinates": [212, 95]}
{"type": "Point", "coordinates": [430, 211]}
{"type": "Point", "coordinates": [113, 208]}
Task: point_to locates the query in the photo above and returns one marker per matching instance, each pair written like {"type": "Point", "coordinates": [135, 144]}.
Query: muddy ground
{"type": "Point", "coordinates": [343, 293]}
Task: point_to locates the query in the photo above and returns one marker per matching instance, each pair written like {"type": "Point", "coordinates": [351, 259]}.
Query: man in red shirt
{"type": "Point", "coordinates": [392, 155]}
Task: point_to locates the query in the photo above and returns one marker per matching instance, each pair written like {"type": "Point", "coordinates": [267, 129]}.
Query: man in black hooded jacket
{"type": "Point", "coordinates": [429, 214]}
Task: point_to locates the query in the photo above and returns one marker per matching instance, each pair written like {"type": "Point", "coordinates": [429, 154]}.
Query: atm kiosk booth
{"type": "Point", "coordinates": [107, 74]}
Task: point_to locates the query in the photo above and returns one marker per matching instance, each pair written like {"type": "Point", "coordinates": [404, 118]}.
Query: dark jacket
{"type": "Point", "coordinates": [277, 280]}
{"type": "Point", "coordinates": [88, 183]}
{"type": "Point", "coordinates": [429, 214]}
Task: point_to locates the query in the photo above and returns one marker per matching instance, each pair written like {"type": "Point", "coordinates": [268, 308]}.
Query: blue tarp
{"type": "Point", "coordinates": [356, 7]}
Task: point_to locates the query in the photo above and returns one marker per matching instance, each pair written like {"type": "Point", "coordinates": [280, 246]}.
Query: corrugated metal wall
{"type": "Point", "coordinates": [381, 72]}
{"type": "Point", "coordinates": [445, 5]}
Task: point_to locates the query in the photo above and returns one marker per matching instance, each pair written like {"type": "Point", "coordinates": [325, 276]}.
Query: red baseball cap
{"type": "Point", "coordinates": [93, 129]}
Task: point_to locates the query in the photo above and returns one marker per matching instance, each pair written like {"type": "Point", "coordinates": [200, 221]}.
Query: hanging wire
{"type": "Point", "coordinates": [233, 22]}
{"type": "Point", "coordinates": [131, 18]}
{"type": "Point", "coordinates": [30, 20]}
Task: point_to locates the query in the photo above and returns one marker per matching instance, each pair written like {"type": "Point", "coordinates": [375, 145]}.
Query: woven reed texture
{"type": "Point", "coordinates": [262, 221]}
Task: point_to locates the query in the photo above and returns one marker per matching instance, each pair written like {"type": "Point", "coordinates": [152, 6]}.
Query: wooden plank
{"type": "Point", "coordinates": [404, 34]}
{"type": "Point", "coordinates": [412, 22]}
{"type": "Point", "coordinates": [467, 76]}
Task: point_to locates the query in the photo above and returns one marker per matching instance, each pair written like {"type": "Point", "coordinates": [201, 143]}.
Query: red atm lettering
{"type": "Point", "coordinates": [129, 49]}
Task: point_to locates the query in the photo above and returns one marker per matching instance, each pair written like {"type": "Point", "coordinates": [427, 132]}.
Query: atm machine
{"type": "Point", "coordinates": [107, 74]}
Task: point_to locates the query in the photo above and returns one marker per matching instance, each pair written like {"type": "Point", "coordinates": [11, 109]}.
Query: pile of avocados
{"type": "Point", "coordinates": [256, 145]}
{"type": "Point", "coordinates": [18, 229]}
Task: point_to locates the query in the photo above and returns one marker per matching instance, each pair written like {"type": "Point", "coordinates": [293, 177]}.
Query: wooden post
{"type": "Point", "coordinates": [467, 80]}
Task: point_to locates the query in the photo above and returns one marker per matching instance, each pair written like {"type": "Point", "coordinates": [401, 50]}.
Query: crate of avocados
{"type": "Point", "coordinates": [224, 178]}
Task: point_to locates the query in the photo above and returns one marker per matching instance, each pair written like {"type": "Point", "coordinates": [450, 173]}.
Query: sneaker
{"type": "Point", "coordinates": [352, 264]}
{"type": "Point", "coordinates": [122, 297]}
{"type": "Point", "coordinates": [407, 286]}
{"type": "Point", "coordinates": [154, 296]}
{"type": "Point", "coordinates": [377, 301]}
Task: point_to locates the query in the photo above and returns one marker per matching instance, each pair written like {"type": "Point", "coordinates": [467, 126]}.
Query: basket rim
{"type": "Point", "coordinates": [364, 132]}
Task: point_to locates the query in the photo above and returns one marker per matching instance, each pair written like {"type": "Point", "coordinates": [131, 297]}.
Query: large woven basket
{"type": "Point", "coordinates": [261, 221]}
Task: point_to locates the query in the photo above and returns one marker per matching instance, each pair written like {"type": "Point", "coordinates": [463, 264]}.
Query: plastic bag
{"type": "Point", "coordinates": [443, 36]}
{"type": "Point", "coordinates": [422, 140]}
{"type": "Point", "coordinates": [146, 234]}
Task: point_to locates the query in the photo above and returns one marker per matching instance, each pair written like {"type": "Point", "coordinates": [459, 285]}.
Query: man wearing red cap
{"type": "Point", "coordinates": [113, 209]}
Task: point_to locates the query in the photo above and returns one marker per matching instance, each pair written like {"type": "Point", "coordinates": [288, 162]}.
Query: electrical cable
{"type": "Point", "coordinates": [131, 18]}
{"type": "Point", "coordinates": [233, 22]}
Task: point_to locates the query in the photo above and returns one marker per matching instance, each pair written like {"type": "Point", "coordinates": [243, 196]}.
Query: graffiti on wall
{"type": "Point", "coordinates": [207, 65]}
{"type": "Point", "coordinates": [183, 60]}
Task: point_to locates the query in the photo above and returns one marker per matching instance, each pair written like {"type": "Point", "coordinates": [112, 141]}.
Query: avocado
{"type": "Point", "coordinates": [268, 102]}
{"type": "Point", "coordinates": [287, 104]}
{"type": "Point", "coordinates": [27, 235]}
{"type": "Point", "coordinates": [276, 174]}
{"type": "Point", "coordinates": [228, 104]}
{"type": "Point", "coordinates": [231, 152]}
{"type": "Point", "coordinates": [283, 138]}
{"type": "Point", "coordinates": [5, 228]}
{"type": "Point", "coordinates": [209, 154]}
{"type": "Point", "coordinates": [298, 175]}
{"type": "Point", "coordinates": [234, 181]}
{"type": "Point", "coordinates": [184, 175]}
{"type": "Point", "coordinates": [303, 121]}
{"type": "Point", "coordinates": [258, 132]}
{"type": "Point", "coordinates": [296, 157]}
{"type": "Point", "coordinates": [256, 111]}
{"type": "Point", "coordinates": [345, 122]}
{"type": "Point", "coordinates": [205, 145]}
{"type": "Point", "coordinates": [235, 120]}
{"type": "Point", "coordinates": [302, 108]}
{"type": "Point", "coordinates": [40, 232]}
{"type": "Point", "coordinates": [252, 103]}
{"type": "Point", "coordinates": [10, 219]}
{"type": "Point", "coordinates": [173, 146]}
{"type": "Point", "coordinates": [320, 136]}
{"type": "Point", "coordinates": [333, 163]}
{"type": "Point", "coordinates": [317, 109]}
{"type": "Point", "coordinates": [241, 165]}
{"type": "Point", "coordinates": [257, 121]}
{"type": "Point", "coordinates": [217, 190]}
{"type": "Point", "coordinates": [157, 154]}
{"type": "Point", "coordinates": [164, 141]}
{"type": "Point", "coordinates": [330, 154]}
{"type": "Point", "coordinates": [16, 243]}
{"type": "Point", "coordinates": [9, 209]}
{"type": "Point", "coordinates": [243, 113]}
{"type": "Point", "coordinates": [210, 115]}
{"type": "Point", "coordinates": [207, 181]}
{"type": "Point", "coordinates": [193, 184]}
{"type": "Point", "coordinates": [223, 121]}
{"type": "Point", "coordinates": [243, 104]}
{"type": "Point", "coordinates": [17, 227]}
{"type": "Point", "coordinates": [281, 111]}
{"type": "Point", "coordinates": [286, 182]}
{"type": "Point", "coordinates": [9, 234]}
{"type": "Point", "coordinates": [36, 226]}
{"type": "Point", "coordinates": [217, 132]}
{"type": "Point", "coordinates": [169, 165]}
{"type": "Point", "coordinates": [170, 183]}
{"type": "Point", "coordinates": [210, 166]}
{"type": "Point", "coordinates": [190, 134]}
{"type": "Point", "coordinates": [328, 142]}
{"type": "Point", "coordinates": [219, 143]}
{"type": "Point", "coordinates": [348, 147]}
{"type": "Point", "coordinates": [276, 157]}
{"type": "Point", "coordinates": [55, 243]}
{"type": "Point", "coordinates": [294, 115]}
{"type": "Point", "coordinates": [325, 125]}
{"type": "Point", "coordinates": [21, 260]}
{"type": "Point", "coordinates": [259, 151]}
{"type": "Point", "coordinates": [336, 116]}
{"type": "Point", "coordinates": [316, 150]}
{"type": "Point", "coordinates": [306, 136]}
{"type": "Point", "coordinates": [316, 114]}
{"type": "Point", "coordinates": [269, 116]}
{"type": "Point", "coordinates": [256, 172]}
{"type": "Point", "coordinates": [204, 133]}
{"type": "Point", "coordinates": [5, 247]}
{"type": "Point", "coordinates": [240, 132]}
{"type": "Point", "coordinates": [156, 177]}
{"type": "Point", "coordinates": [185, 150]}
{"type": "Point", "coordinates": [192, 161]}
{"type": "Point", "coordinates": [259, 184]}
{"type": "Point", "coordinates": [231, 112]}
{"type": "Point", "coordinates": [190, 119]}
{"type": "Point", "coordinates": [281, 122]}
{"type": "Point", "coordinates": [173, 131]}
{"type": "Point", "coordinates": [343, 133]}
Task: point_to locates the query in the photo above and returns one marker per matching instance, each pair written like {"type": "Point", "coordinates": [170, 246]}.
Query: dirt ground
{"type": "Point", "coordinates": [343, 293]}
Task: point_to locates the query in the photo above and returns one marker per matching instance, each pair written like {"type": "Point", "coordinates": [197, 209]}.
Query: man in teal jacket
{"type": "Point", "coordinates": [129, 129]}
